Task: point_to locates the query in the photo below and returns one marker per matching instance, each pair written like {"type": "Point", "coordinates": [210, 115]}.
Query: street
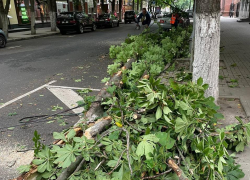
{"type": "Point", "coordinates": [72, 60]}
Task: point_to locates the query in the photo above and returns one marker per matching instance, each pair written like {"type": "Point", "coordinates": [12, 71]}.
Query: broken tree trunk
{"type": "Point", "coordinates": [96, 109]}
{"type": "Point", "coordinates": [176, 169]}
{"type": "Point", "coordinates": [98, 127]}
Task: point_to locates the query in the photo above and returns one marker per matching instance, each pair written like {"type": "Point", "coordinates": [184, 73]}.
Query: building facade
{"type": "Point", "coordinates": [228, 6]}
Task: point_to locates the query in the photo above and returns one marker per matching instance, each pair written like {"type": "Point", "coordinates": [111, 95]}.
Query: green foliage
{"type": "Point", "coordinates": [37, 144]}
{"type": "Point", "coordinates": [87, 100]}
{"type": "Point", "coordinates": [176, 120]}
{"type": "Point", "coordinates": [24, 168]}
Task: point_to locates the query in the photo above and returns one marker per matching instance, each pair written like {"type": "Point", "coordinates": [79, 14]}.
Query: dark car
{"type": "Point", "coordinates": [3, 39]}
{"type": "Point", "coordinates": [129, 16]}
{"type": "Point", "coordinates": [107, 20]}
{"type": "Point", "coordinates": [74, 21]}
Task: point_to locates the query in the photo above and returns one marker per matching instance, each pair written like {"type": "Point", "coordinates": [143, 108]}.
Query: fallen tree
{"type": "Point", "coordinates": [146, 130]}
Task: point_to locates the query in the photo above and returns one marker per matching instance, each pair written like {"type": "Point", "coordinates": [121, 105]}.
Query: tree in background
{"type": "Point", "coordinates": [120, 10]}
{"type": "Point", "coordinates": [207, 44]}
{"type": "Point", "coordinates": [32, 15]}
{"type": "Point", "coordinates": [52, 14]}
{"type": "Point", "coordinates": [113, 6]}
{"type": "Point", "coordinates": [3, 15]}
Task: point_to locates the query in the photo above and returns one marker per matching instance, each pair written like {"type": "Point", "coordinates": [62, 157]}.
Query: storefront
{"type": "Point", "coordinates": [19, 13]}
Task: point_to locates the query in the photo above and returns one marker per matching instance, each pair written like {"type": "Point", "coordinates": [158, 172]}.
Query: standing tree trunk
{"type": "Point", "coordinates": [120, 10]}
{"type": "Point", "coordinates": [3, 15]}
{"type": "Point", "coordinates": [207, 45]}
{"type": "Point", "coordinates": [133, 5]}
{"type": "Point", "coordinates": [141, 5]}
{"type": "Point", "coordinates": [113, 6]}
{"type": "Point", "coordinates": [137, 5]}
{"type": "Point", "coordinates": [52, 14]}
{"type": "Point", "coordinates": [32, 13]}
{"type": "Point", "coordinates": [102, 6]}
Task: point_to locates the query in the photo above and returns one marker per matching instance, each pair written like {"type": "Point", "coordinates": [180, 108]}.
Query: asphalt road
{"type": "Point", "coordinates": [75, 60]}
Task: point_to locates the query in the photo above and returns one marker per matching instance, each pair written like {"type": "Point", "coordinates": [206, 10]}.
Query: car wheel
{"type": "Point", "coordinates": [126, 22]}
{"type": "Point", "coordinates": [80, 29]}
{"type": "Point", "coordinates": [118, 24]}
{"type": "Point", "coordinates": [93, 27]}
{"type": "Point", "coordinates": [62, 32]}
{"type": "Point", "coordinates": [2, 41]}
{"type": "Point", "coordinates": [129, 22]}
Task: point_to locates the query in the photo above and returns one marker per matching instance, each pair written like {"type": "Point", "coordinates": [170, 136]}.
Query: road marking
{"type": "Point", "coordinates": [77, 88]}
{"type": "Point", "coordinates": [13, 47]}
{"type": "Point", "coordinates": [68, 97]}
{"type": "Point", "coordinates": [26, 94]}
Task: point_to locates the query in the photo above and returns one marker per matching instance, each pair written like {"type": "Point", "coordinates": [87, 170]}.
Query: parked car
{"type": "Point", "coordinates": [74, 21]}
{"type": "Point", "coordinates": [190, 12]}
{"type": "Point", "coordinates": [107, 20]}
{"type": "Point", "coordinates": [129, 16]}
{"type": "Point", "coordinates": [3, 39]}
{"type": "Point", "coordinates": [164, 21]}
{"type": "Point", "coordinates": [159, 15]}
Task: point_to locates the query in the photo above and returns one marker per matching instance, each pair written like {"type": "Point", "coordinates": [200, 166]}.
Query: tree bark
{"type": "Point", "coordinates": [32, 13]}
{"type": "Point", "coordinates": [52, 14]}
{"type": "Point", "coordinates": [207, 43]}
{"type": "Point", "coordinates": [177, 169]}
{"type": "Point", "coordinates": [133, 5]}
{"type": "Point", "coordinates": [141, 5]}
{"type": "Point", "coordinates": [4, 20]}
{"type": "Point", "coordinates": [3, 15]}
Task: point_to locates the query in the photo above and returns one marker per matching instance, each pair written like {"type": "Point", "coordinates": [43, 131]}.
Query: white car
{"type": "Point", "coordinates": [190, 13]}
{"type": "Point", "coordinates": [164, 21]}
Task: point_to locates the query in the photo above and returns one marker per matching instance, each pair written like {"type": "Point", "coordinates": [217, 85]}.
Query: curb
{"type": "Point", "coordinates": [245, 102]}
{"type": "Point", "coordinates": [33, 37]}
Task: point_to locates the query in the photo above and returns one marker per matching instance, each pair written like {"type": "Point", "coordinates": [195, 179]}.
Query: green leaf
{"type": "Point", "coordinates": [184, 105]}
{"type": "Point", "coordinates": [173, 84]}
{"type": "Point", "coordinates": [158, 114]}
{"type": "Point", "coordinates": [247, 131]}
{"type": "Point", "coordinates": [67, 155]}
{"type": "Point", "coordinates": [147, 146]}
{"type": "Point", "coordinates": [165, 139]}
{"type": "Point", "coordinates": [218, 116]}
{"type": "Point", "coordinates": [239, 119]}
{"type": "Point", "coordinates": [200, 81]}
{"type": "Point", "coordinates": [57, 135]}
{"type": "Point", "coordinates": [114, 135]}
{"type": "Point", "coordinates": [166, 110]}
{"type": "Point", "coordinates": [112, 163]}
{"type": "Point", "coordinates": [240, 147]}
{"type": "Point", "coordinates": [220, 166]}
{"type": "Point", "coordinates": [205, 86]}
{"type": "Point", "coordinates": [180, 125]}
{"type": "Point", "coordinates": [167, 119]}
{"type": "Point", "coordinates": [71, 134]}
{"type": "Point", "coordinates": [23, 168]}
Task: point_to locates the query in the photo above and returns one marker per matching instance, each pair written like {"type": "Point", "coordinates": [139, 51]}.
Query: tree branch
{"type": "Point", "coordinates": [118, 162]}
{"type": "Point", "coordinates": [153, 177]}
{"type": "Point", "coordinates": [129, 163]}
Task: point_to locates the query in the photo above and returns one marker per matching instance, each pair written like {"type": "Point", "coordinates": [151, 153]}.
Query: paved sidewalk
{"type": "Point", "coordinates": [40, 32]}
{"type": "Point", "coordinates": [235, 72]}
{"type": "Point", "coordinates": [235, 60]}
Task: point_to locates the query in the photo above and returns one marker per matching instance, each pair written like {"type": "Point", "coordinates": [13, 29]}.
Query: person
{"type": "Point", "coordinates": [145, 18]}
{"type": "Point", "coordinates": [231, 13]}
{"type": "Point", "coordinates": [173, 20]}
